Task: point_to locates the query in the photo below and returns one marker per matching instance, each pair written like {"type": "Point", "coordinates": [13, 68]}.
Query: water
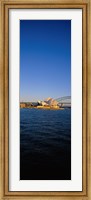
{"type": "Point", "coordinates": [45, 144]}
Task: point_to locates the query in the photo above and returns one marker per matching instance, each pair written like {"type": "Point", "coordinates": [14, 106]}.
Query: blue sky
{"type": "Point", "coordinates": [45, 59]}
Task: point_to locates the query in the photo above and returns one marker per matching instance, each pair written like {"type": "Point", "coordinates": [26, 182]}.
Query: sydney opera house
{"type": "Point", "coordinates": [48, 103]}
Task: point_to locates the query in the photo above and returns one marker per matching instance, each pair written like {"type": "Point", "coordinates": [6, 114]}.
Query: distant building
{"type": "Point", "coordinates": [22, 105]}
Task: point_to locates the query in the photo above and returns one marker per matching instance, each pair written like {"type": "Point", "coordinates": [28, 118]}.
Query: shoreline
{"type": "Point", "coordinates": [44, 108]}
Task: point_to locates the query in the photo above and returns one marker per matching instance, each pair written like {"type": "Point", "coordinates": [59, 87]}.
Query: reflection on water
{"type": "Point", "coordinates": [45, 144]}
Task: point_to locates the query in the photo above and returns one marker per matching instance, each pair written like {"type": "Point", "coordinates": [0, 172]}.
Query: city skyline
{"type": "Point", "coordinates": [45, 59]}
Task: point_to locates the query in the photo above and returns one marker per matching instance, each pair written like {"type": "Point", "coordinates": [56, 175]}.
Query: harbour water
{"type": "Point", "coordinates": [45, 144]}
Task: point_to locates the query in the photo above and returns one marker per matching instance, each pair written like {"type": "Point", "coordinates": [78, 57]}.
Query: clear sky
{"type": "Point", "coordinates": [45, 59]}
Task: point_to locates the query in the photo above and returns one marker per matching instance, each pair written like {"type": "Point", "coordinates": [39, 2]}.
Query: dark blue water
{"type": "Point", "coordinates": [45, 144]}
